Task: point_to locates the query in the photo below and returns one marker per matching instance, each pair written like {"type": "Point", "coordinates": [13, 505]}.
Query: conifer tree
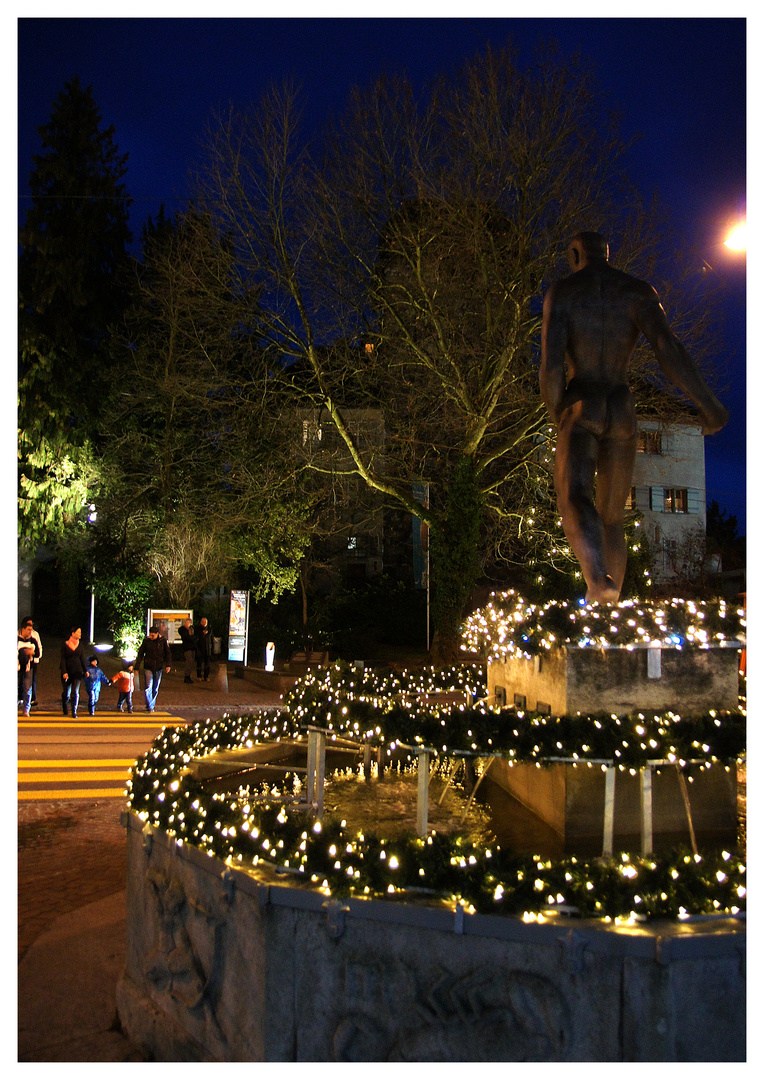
{"type": "Point", "coordinates": [73, 253]}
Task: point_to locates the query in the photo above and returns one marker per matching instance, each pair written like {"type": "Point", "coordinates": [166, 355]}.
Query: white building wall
{"type": "Point", "coordinates": [673, 461]}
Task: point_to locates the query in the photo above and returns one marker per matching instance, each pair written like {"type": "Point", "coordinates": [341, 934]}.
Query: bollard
{"type": "Point", "coordinates": [222, 678]}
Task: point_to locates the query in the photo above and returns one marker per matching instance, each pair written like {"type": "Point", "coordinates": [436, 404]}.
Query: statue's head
{"type": "Point", "coordinates": [585, 247]}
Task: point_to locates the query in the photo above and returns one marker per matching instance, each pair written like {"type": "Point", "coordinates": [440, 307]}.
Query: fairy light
{"type": "Point", "coordinates": [386, 708]}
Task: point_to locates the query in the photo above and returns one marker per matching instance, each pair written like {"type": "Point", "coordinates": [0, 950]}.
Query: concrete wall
{"type": "Point", "coordinates": [571, 800]}
{"type": "Point", "coordinates": [223, 967]}
{"type": "Point", "coordinates": [571, 680]}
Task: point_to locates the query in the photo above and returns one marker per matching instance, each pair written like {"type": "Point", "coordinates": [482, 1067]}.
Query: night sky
{"type": "Point", "coordinates": [678, 83]}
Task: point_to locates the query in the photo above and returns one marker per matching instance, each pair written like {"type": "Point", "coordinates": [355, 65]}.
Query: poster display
{"type": "Point", "coordinates": [168, 621]}
{"type": "Point", "coordinates": [238, 626]}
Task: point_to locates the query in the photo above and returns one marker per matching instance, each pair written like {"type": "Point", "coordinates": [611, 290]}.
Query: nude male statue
{"type": "Point", "coordinates": [591, 323]}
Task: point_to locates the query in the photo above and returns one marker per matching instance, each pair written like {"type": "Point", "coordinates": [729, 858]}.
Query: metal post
{"type": "Point", "coordinates": [483, 773]}
{"type": "Point", "coordinates": [320, 774]}
{"type": "Point", "coordinates": [607, 836]}
{"type": "Point", "coordinates": [311, 769]}
{"type": "Point", "coordinates": [423, 784]}
{"type": "Point", "coordinates": [647, 809]}
{"type": "Point", "coordinates": [686, 799]}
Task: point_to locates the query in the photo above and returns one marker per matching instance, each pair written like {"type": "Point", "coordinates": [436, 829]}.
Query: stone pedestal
{"type": "Point", "coordinates": [570, 680]}
{"type": "Point", "coordinates": [224, 967]}
{"type": "Point", "coordinates": [570, 798]}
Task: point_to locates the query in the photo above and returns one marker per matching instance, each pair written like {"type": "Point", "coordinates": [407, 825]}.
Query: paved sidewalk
{"type": "Point", "coordinates": [224, 691]}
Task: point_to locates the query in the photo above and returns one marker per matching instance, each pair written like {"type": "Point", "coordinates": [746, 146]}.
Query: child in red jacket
{"type": "Point", "coordinates": [125, 683]}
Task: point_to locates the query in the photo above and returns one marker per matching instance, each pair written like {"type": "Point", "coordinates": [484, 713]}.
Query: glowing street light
{"type": "Point", "coordinates": [737, 239]}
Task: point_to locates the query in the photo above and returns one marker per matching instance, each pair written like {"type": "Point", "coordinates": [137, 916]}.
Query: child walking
{"type": "Point", "coordinates": [125, 683]}
{"type": "Point", "coordinates": [94, 680]}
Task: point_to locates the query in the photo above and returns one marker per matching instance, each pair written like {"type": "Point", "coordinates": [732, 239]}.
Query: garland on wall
{"type": "Point", "coordinates": [256, 828]}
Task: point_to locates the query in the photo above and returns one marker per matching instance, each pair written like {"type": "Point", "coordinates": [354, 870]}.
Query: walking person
{"type": "Point", "coordinates": [186, 632]}
{"type": "Point", "coordinates": [203, 650]}
{"type": "Point", "coordinates": [125, 683]}
{"type": "Point", "coordinates": [72, 670]}
{"type": "Point", "coordinates": [155, 653]}
{"type": "Point", "coordinates": [27, 648]}
{"type": "Point", "coordinates": [94, 680]}
{"type": "Point", "coordinates": [29, 622]}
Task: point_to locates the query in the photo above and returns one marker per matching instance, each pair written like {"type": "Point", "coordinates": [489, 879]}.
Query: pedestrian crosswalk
{"type": "Point", "coordinates": [84, 719]}
{"type": "Point", "coordinates": [91, 778]}
{"type": "Point", "coordinates": [87, 758]}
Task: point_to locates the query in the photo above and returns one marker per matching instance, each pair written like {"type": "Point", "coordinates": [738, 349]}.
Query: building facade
{"type": "Point", "coordinates": [669, 491]}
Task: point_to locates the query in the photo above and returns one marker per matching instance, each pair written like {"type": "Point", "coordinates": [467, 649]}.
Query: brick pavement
{"type": "Point", "coordinates": [70, 853]}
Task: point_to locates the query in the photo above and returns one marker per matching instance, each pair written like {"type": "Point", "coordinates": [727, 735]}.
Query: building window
{"type": "Point", "coordinates": [311, 432]}
{"type": "Point", "coordinates": [649, 442]}
{"type": "Point", "coordinates": [675, 500]}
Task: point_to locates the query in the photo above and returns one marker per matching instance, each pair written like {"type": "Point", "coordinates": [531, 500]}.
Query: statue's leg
{"type": "Point", "coordinates": [615, 471]}
{"type": "Point", "coordinates": [575, 466]}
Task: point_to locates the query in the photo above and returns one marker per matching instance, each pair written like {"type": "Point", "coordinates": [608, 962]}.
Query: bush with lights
{"type": "Point", "coordinates": [263, 828]}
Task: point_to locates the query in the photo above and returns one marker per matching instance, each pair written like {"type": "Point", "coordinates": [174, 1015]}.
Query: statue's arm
{"type": "Point", "coordinates": [554, 336]}
{"type": "Point", "coordinates": [677, 364]}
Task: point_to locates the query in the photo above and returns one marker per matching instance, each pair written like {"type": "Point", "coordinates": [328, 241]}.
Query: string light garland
{"type": "Point", "coordinates": [508, 624]}
{"type": "Point", "coordinates": [257, 828]}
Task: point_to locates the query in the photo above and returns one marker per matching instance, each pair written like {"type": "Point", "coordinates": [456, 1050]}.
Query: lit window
{"type": "Point", "coordinates": [649, 442]}
{"type": "Point", "coordinates": [675, 500]}
{"type": "Point", "coordinates": [311, 432]}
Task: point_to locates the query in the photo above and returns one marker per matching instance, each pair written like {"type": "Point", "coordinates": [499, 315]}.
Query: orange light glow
{"type": "Point", "coordinates": [737, 240]}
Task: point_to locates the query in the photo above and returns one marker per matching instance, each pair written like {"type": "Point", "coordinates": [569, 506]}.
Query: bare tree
{"type": "Point", "coordinates": [424, 232]}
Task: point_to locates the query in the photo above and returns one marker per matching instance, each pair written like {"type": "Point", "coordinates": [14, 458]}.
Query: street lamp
{"type": "Point", "coordinates": [737, 238]}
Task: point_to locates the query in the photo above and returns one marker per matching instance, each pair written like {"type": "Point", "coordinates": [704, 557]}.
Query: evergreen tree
{"type": "Point", "coordinates": [73, 254]}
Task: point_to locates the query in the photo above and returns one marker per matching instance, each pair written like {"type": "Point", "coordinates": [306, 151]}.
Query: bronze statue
{"type": "Point", "coordinates": [592, 321]}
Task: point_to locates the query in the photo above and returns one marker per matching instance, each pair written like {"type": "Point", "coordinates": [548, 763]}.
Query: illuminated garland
{"type": "Point", "coordinates": [508, 624]}
{"type": "Point", "coordinates": [252, 829]}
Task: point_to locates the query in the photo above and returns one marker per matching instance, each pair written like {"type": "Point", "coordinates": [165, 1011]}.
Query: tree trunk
{"type": "Point", "coordinates": [456, 564]}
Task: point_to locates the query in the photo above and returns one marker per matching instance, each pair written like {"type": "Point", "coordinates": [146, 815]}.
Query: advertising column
{"type": "Point", "coordinates": [238, 626]}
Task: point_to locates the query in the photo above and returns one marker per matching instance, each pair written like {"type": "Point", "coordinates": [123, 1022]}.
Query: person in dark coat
{"type": "Point", "coordinates": [155, 654]}
{"type": "Point", "coordinates": [72, 670]}
{"type": "Point", "coordinates": [186, 632]}
{"type": "Point", "coordinates": [203, 650]}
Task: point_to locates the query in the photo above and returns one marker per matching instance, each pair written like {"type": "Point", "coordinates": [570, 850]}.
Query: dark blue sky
{"type": "Point", "coordinates": [679, 84]}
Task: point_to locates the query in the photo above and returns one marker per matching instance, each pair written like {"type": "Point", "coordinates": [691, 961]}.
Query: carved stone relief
{"type": "Point", "coordinates": [184, 965]}
{"type": "Point", "coordinates": [392, 1013]}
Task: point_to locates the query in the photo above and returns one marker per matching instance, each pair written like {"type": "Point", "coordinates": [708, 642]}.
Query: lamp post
{"type": "Point", "coordinates": [92, 515]}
